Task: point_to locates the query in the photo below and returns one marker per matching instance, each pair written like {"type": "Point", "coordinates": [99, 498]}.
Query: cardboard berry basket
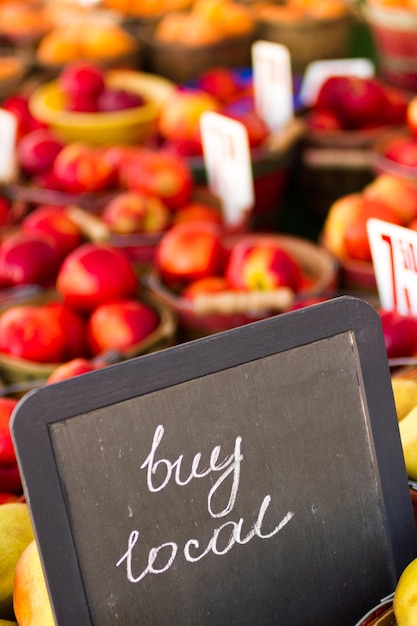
{"type": "Point", "coordinates": [381, 615]}
{"type": "Point", "coordinates": [212, 313]}
{"type": "Point", "coordinates": [16, 370]}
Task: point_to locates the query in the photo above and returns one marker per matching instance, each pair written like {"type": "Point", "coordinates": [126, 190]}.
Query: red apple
{"type": "Point", "coordinates": [56, 222]}
{"type": "Point", "coordinates": [133, 212]}
{"type": "Point", "coordinates": [220, 82]}
{"type": "Point", "coordinates": [6, 496]}
{"type": "Point", "coordinates": [7, 452]}
{"type": "Point", "coordinates": [112, 99]}
{"type": "Point", "coordinates": [81, 78]}
{"type": "Point", "coordinates": [256, 127]}
{"type": "Point", "coordinates": [323, 119]}
{"type": "Point", "coordinates": [29, 332]}
{"type": "Point", "coordinates": [411, 115]}
{"type": "Point", "coordinates": [197, 211]}
{"type": "Point", "coordinates": [18, 105]}
{"type": "Point", "coordinates": [159, 173]}
{"type": "Point", "coordinates": [95, 273]}
{"type": "Point", "coordinates": [10, 479]}
{"type": "Point", "coordinates": [397, 193]}
{"type": "Point", "coordinates": [356, 233]}
{"type": "Point", "coordinates": [189, 251]}
{"type": "Point", "coordinates": [80, 168]}
{"type": "Point", "coordinates": [5, 211]}
{"type": "Point", "coordinates": [28, 258]}
{"type": "Point", "coordinates": [204, 286]}
{"type": "Point", "coordinates": [395, 112]}
{"type": "Point", "coordinates": [37, 150]}
{"type": "Point", "coordinates": [73, 329]}
{"type": "Point", "coordinates": [400, 333]}
{"type": "Point", "coordinates": [120, 325]}
{"type": "Point", "coordinates": [74, 367]}
{"type": "Point", "coordinates": [261, 264]}
{"type": "Point", "coordinates": [402, 150]}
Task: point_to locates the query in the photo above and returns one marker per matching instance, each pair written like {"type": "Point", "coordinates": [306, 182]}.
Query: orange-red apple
{"type": "Point", "coordinates": [159, 173]}
{"type": "Point", "coordinates": [120, 325]}
{"type": "Point", "coordinates": [411, 115]}
{"type": "Point", "coordinates": [197, 211]}
{"type": "Point", "coordinates": [80, 168]}
{"type": "Point", "coordinates": [395, 192]}
{"type": "Point", "coordinates": [94, 273]}
{"type": "Point", "coordinates": [189, 251]}
{"type": "Point", "coordinates": [74, 367]}
{"type": "Point", "coordinates": [204, 286]}
{"type": "Point", "coordinates": [56, 222]}
{"type": "Point", "coordinates": [134, 212]}
{"type": "Point", "coordinates": [37, 151]}
{"type": "Point", "coordinates": [400, 333]}
{"type": "Point", "coordinates": [28, 258]}
{"type": "Point", "coordinates": [261, 264]}
{"type": "Point", "coordinates": [44, 333]}
{"type": "Point", "coordinates": [180, 115]}
{"type": "Point", "coordinates": [402, 150]}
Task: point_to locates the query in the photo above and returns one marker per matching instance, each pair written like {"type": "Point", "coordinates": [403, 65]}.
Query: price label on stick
{"type": "Point", "coordinates": [8, 130]}
{"type": "Point", "coordinates": [272, 83]}
{"type": "Point", "coordinates": [394, 256]}
{"type": "Point", "coordinates": [228, 164]}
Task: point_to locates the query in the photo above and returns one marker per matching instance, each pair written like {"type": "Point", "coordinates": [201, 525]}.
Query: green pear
{"type": "Point", "coordinates": [15, 535]}
{"type": "Point", "coordinates": [405, 395]}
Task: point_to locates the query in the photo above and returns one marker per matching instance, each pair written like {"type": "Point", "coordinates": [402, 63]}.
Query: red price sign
{"type": "Point", "coordinates": [394, 256]}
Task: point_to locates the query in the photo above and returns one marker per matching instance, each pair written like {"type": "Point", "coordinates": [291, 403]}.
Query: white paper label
{"type": "Point", "coordinates": [394, 256]}
{"type": "Point", "coordinates": [272, 84]}
{"type": "Point", "coordinates": [8, 160]}
{"type": "Point", "coordinates": [228, 164]}
{"type": "Point", "coordinates": [318, 72]}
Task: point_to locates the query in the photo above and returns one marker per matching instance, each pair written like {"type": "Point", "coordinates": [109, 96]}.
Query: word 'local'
{"type": "Point", "coordinates": [172, 471]}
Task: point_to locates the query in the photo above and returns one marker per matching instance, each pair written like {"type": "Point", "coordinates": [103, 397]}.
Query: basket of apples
{"type": "Point", "coordinates": [229, 92]}
{"type": "Point", "coordinates": [90, 104]}
{"type": "Point", "coordinates": [348, 115]}
{"type": "Point", "coordinates": [90, 306]}
{"type": "Point", "coordinates": [214, 282]}
{"type": "Point", "coordinates": [396, 151]}
{"type": "Point", "coordinates": [344, 234]}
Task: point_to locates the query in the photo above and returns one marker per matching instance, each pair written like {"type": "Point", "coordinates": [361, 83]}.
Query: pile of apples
{"type": "Point", "coordinates": [346, 103]}
{"type": "Point", "coordinates": [401, 148]}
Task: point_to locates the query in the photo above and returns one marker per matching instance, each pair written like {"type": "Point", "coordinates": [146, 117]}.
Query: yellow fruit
{"type": "Point", "coordinates": [405, 395]}
{"type": "Point", "coordinates": [405, 596]}
{"type": "Point", "coordinates": [7, 622]}
{"type": "Point", "coordinates": [408, 433]}
{"type": "Point", "coordinates": [30, 595]}
{"type": "Point", "coordinates": [15, 534]}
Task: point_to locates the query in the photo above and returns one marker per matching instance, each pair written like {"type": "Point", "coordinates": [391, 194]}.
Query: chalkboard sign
{"type": "Point", "coordinates": [251, 477]}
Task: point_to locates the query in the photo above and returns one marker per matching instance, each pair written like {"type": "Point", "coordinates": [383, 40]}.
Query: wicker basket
{"type": "Point", "coordinates": [15, 370]}
{"type": "Point", "coordinates": [183, 63]}
{"type": "Point", "coordinates": [227, 310]}
{"type": "Point", "coordinates": [310, 39]}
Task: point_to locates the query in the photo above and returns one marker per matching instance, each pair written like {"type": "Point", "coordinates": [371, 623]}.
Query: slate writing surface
{"type": "Point", "coordinates": [293, 426]}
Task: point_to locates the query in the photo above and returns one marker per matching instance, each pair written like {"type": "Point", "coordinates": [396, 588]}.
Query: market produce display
{"type": "Point", "coordinates": [112, 242]}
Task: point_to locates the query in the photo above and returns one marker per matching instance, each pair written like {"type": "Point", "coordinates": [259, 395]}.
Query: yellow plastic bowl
{"type": "Point", "coordinates": [129, 126]}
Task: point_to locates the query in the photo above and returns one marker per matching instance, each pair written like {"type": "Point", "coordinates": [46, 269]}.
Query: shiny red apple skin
{"type": "Point", "coordinates": [10, 479]}
{"type": "Point", "coordinates": [80, 168]}
{"type": "Point", "coordinates": [74, 367]}
{"type": "Point", "coordinates": [7, 452]}
{"type": "Point", "coordinates": [261, 265]}
{"type": "Point", "coordinates": [189, 251]}
{"type": "Point", "coordinates": [81, 78]}
{"type": "Point", "coordinates": [400, 333]}
{"type": "Point", "coordinates": [402, 150]}
{"type": "Point", "coordinates": [120, 325]}
{"type": "Point", "coordinates": [159, 173]}
{"type": "Point", "coordinates": [37, 151]}
{"type": "Point", "coordinates": [55, 222]}
{"type": "Point", "coordinates": [130, 212]}
{"type": "Point", "coordinates": [29, 332]}
{"type": "Point", "coordinates": [28, 258]}
{"type": "Point", "coordinates": [95, 273]}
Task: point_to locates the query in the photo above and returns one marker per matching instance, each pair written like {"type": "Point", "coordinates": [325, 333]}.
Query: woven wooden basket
{"type": "Point", "coordinates": [16, 370]}
{"type": "Point", "coordinates": [309, 40]}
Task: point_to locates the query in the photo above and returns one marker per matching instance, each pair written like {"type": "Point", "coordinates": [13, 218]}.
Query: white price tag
{"type": "Point", "coordinates": [228, 164]}
{"type": "Point", "coordinates": [8, 160]}
{"type": "Point", "coordinates": [318, 72]}
{"type": "Point", "coordinates": [394, 256]}
{"type": "Point", "coordinates": [272, 84]}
